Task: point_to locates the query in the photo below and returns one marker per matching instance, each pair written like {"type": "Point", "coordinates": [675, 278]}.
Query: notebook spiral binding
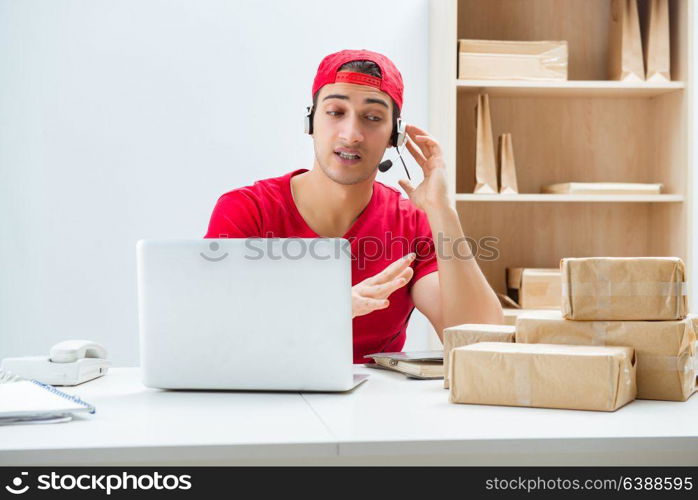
{"type": "Point", "coordinates": [57, 392]}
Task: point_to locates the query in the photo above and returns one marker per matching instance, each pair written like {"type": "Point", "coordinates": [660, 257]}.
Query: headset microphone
{"type": "Point", "coordinates": [398, 138]}
{"type": "Point", "coordinates": [384, 166]}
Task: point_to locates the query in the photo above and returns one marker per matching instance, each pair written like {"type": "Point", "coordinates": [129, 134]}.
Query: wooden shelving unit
{"type": "Point", "coordinates": [586, 129]}
{"type": "Point", "coordinates": [509, 88]}
{"type": "Point", "coordinates": [581, 198]}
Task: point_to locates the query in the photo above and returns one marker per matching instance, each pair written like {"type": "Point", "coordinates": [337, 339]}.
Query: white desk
{"type": "Point", "coordinates": [387, 420]}
{"type": "Point", "coordinates": [137, 425]}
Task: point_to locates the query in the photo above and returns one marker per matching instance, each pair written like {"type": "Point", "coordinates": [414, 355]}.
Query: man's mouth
{"type": "Point", "coordinates": [347, 155]}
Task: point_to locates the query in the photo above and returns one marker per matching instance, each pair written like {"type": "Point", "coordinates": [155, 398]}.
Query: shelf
{"type": "Point", "coordinates": [586, 128]}
{"type": "Point", "coordinates": [597, 198]}
{"type": "Point", "coordinates": [570, 88]}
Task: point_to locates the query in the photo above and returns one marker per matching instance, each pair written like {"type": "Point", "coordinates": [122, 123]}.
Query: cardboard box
{"type": "Point", "coordinates": [457, 336]}
{"type": "Point", "coordinates": [624, 289]}
{"type": "Point", "coordinates": [512, 60]}
{"type": "Point", "coordinates": [511, 315]}
{"type": "Point", "coordinates": [534, 288]}
{"type": "Point", "coordinates": [665, 350]}
{"type": "Point", "coordinates": [543, 375]}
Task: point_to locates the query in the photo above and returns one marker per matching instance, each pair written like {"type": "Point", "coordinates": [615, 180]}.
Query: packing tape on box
{"type": "Point", "coordinates": [646, 361]}
{"type": "Point", "coordinates": [599, 333]}
{"type": "Point", "coordinates": [522, 380]}
{"type": "Point", "coordinates": [523, 388]}
{"type": "Point", "coordinates": [603, 288]}
{"type": "Point", "coordinates": [600, 329]}
{"type": "Point", "coordinates": [628, 381]}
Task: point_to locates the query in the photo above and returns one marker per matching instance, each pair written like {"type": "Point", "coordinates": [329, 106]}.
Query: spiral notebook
{"type": "Point", "coordinates": [28, 402]}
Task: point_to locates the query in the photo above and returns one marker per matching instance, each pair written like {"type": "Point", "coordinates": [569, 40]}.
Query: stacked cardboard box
{"type": "Point", "coordinates": [664, 349]}
{"type": "Point", "coordinates": [622, 333]}
{"type": "Point", "coordinates": [543, 375]}
{"type": "Point", "coordinates": [458, 336]}
{"type": "Point", "coordinates": [533, 288]}
{"type": "Point", "coordinates": [635, 302]}
{"type": "Point", "coordinates": [624, 289]}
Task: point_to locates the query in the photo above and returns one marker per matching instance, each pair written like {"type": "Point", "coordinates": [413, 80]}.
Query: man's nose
{"type": "Point", "coordinates": [350, 131]}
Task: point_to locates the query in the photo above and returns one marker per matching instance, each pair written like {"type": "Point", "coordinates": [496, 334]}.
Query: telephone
{"type": "Point", "coordinates": [70, 362]}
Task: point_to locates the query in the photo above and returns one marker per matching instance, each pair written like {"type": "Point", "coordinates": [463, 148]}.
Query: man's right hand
{"type": "Point", "coordinates": [372, 293]}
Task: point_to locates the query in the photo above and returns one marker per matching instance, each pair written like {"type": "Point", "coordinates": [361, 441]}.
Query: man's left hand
{"type": "Point", "coordinates": [432, 192]}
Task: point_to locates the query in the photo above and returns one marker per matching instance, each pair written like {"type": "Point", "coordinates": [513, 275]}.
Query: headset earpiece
{"type": "Point", "coordinates": [308, 120]}
{"type": "Point", "coordinates": [399, 134]}
{"type": "Point", "coordinates": [397, 139]}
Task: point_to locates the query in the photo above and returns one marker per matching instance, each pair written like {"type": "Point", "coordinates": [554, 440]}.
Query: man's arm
{"type": "Point", "coordinates": [427, 299]}
{"type": "Point", "coordinates": [459, 293]}
{"type": "Point", "coordinates": [466, 296]}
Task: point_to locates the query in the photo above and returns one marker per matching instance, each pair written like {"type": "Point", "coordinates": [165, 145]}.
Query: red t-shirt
{"type": "Point", "coordinates": [389, 222]}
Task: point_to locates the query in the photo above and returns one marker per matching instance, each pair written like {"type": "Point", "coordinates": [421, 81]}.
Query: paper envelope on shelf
{"type": "Point", "coordinates": [485, 160]}
{"type": "Point", "coordinates": [625, 55]}
{"type": "Point", "coordinates": [657, 37]}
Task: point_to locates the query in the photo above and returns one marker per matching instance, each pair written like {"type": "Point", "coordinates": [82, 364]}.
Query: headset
{"type": "Point", "coordinates": [397, 139]}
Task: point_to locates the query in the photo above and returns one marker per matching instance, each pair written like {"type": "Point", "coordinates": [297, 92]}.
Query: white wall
{"type": "Point", "coordinates": [122, 120]}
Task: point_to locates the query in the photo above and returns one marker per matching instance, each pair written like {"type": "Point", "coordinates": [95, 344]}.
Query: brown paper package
{"type": "Point", "coordinates": [512, 60]}
{"type": "Point", "coordinates": [665, 350]}
{"type": "Point", "coordinates": [657, 45]}
{"type": "Point", "coordinates": [485, 161]}
{"type": "Point", "coordinates": [534, 288]}
{"type": "Point", "coordinates": [626, 60]}
{"type": "Point", "coordinates": [511, 315]}
{"type": "Point", "coordinates": [507, 166]}
{"type": "Point", "coordinates": [543, 375]}
{"type": "Point", "coordinates": [458, 336]}
{"type": "Point", "coordinates": [624, 289]}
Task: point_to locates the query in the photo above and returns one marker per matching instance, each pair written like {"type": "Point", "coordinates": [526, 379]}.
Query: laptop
{"type": "Point", "coordinates": [246, 314]}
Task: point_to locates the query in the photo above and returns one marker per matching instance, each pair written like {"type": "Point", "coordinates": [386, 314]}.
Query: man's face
{"type": "Point", "coordinates": [352, 120]}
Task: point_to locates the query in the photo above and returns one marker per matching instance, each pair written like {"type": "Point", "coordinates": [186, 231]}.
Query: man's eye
{"type": "Point", "coordinates": [333, 113]}
{"type": "Point", "coordinates": [374, 118]}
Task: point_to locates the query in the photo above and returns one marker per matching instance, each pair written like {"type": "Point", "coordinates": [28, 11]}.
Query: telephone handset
{"type": "Point", "coordinates": [69, 351]}
{"type": "Point", "coordinates": [70, 362]}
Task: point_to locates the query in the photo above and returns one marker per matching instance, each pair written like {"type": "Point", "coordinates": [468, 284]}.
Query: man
{"type": "Point", "coordinates": [357, 97]}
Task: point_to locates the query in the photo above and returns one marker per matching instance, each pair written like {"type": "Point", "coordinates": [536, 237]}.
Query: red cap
{"type": "Point", "coordinates": [390, 83]}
